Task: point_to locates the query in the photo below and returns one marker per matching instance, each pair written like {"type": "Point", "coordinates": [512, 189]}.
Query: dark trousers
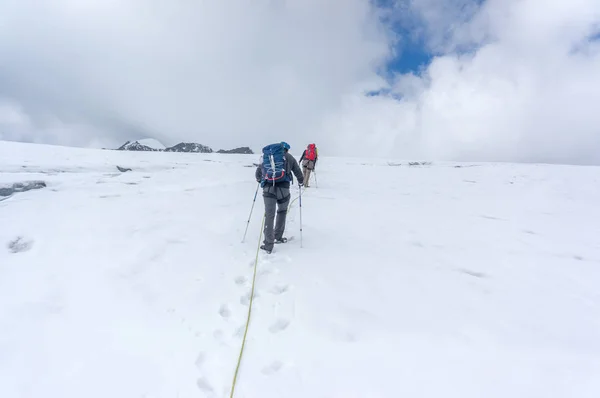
{"type": "Point", "coordinates": [275, 206]}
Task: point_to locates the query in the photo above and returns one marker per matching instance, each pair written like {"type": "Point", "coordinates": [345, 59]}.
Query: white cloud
{"type": "Point", "coordinates": [222, 73]}
{"type": "Point", "coordinates": [17, 125]}
{"type": "Point", "coordinates": [513, 80]}
{"type": "Point", "coordinates": [528, 91]}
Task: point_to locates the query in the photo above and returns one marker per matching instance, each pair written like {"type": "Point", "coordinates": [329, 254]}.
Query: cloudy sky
{"type": "Point", "coordinates": [473, 80]}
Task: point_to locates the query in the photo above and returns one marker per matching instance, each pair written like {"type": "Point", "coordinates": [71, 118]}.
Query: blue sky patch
{"type": "Point", "coordinates": [410, 53]}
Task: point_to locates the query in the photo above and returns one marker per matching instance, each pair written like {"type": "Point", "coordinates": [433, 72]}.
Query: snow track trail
{"type": "Point", "coordinates": [453, 280]}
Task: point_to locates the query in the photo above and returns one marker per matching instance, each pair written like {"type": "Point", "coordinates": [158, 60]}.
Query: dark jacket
{"type": "Point", "coordinates": [290, 167]}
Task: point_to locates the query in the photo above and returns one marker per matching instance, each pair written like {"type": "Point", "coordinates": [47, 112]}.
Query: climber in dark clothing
{"type": "Point", "coordinates": [277, 198]}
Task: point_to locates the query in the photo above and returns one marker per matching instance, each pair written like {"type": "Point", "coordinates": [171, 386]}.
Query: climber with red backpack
{"type": "Point", "coordinates": [309, 161]}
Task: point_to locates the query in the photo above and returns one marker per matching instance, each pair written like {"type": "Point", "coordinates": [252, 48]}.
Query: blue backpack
{"type": "Point", "coordinates": [274, 164]}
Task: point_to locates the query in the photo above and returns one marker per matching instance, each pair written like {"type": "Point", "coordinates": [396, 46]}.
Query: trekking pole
{"type": "Point", "coordinates": [300, 197]}
{"type": "Point", "coordinates": [316, 182]}
{"type": "Point", "coordinates": [252, 208]}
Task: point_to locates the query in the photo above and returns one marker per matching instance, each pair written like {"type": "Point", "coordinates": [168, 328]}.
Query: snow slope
{"type": "Point", "coordinates": [431, 281]}
{"type": "Point", "coordinates": [152, 143]}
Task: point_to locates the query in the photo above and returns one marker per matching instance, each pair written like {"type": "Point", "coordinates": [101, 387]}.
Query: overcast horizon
{"type": "Point", "coordinates": [461, 80]}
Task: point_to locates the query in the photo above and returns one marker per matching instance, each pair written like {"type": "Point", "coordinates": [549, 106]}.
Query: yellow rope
{"type": "Point", "coordinates": [239, 361]}
{"type": "Point", "coordinates": [295, 199]}
{"type": "Point", "coordinates": [237, 368]}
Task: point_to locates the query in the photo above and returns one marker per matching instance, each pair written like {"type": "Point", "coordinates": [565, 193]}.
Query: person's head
{"type": "Point", "coordinates": [286, 146]}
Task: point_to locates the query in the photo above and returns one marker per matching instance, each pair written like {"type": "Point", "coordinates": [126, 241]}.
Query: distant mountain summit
{"type": "Point", "coordinates": [148, 144]}
{"type": "Point", "coordinates": [152, 145]}
{"type": "Point", "coordinates": [241, 150]}
{"type": "Point", "coordinates": [135, 146]}
{"type": "Point", "coordinates": [189, 147]}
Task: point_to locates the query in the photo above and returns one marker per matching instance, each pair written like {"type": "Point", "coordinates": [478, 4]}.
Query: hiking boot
{"type": "Point", "coordinates": [269, 251]}
{"type": "Point", "coordinates": [281, 240]}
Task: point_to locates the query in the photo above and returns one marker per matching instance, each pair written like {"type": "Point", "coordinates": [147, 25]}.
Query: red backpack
{"type": "Point", "coordinates": [311, 152]}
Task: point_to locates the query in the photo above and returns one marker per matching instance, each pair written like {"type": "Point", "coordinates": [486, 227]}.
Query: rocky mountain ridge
{"type": "Point", "coordinates": [187, 147]}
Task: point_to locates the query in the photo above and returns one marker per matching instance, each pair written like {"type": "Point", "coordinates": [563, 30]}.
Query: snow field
{"type": "Point", "coordinates": [413, 281]}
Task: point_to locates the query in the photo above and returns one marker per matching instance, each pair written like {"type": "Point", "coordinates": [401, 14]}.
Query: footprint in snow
{"type": "Point", "coordinates": [279, 289]}
{"type": "Point", "coordinates": [218, 334]}
{"type": "Point", "coordinates": [239, 332]}
{"type": "Point", "coordinates": [245, 299]}
{"type": "Point", "coordinates": [200, 359]}
{"type": "Point", "coordinates": [264, 271]}
{"type": "Point", "coordinates": [204, 385]}
{"type": "Point", "coordinates": [279, 325]}
{"type": "Point", "coordinates": [240, 280]}
{"type": "Point", "coordinates": [273, 368]}
{"type": "Point", "coordinates": [224, 311]}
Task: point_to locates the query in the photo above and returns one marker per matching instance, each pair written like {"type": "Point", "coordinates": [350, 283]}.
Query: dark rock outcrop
{"type": "Point", "coordinates": [8, 190]}
{"type": "Point", "coordinates": [19, 245]}
{"type": "Point", "coordinates": [123, 169]}
{"type": "Point", "coordinates": [241, 150]}
{"type": "Point", "coordinates": [187, 147]}
{"type": "Point", "coordinates": [190, 147]}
